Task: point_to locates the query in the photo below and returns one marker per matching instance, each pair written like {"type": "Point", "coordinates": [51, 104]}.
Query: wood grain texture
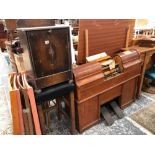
{"type": "Point", "coordinates": [93, 90]}
{"type": "Point", "coordinates": [11, 24]}
{"type": "Point", "coordinates": [16, 106]}
{"type": "Point", "coordinates": [145, 54]}
{"type": "Point", "coordinates": [34, 22]}
{"type": "Point", "coordinates": [104, 35]}
{"type": "Point", "coordinates": [47, 55]}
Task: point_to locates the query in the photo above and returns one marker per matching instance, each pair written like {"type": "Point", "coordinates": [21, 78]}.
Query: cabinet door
{"type": "Point", "coordinates": [128, 92]}
{"type": "Point", "coordinates": [50, 51]}
{"type": "Point", "coordinates": [88, 113]}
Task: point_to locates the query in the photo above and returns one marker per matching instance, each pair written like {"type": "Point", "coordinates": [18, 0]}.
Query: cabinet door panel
{"type": "Point", "coordinates": [128, 92]}
{"type": "Point", "coordinates": [50, 51]}
{"type": "Point", "coordinates": [88, 113]}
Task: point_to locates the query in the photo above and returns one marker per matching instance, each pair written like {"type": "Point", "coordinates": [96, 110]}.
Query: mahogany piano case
{"type": "Point", "coordinates": [47, 54]}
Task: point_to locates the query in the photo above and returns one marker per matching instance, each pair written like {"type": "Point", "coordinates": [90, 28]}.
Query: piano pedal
{"type": "Point", "coordinates": [107, 116]}
{"type": "Point", "coordinates": [117, 109]}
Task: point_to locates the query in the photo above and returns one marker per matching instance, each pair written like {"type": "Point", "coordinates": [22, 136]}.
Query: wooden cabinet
{"type": "Point", "coordinates": [47, 54]}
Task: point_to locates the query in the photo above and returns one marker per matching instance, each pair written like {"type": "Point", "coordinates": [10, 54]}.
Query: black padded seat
{"type": "Point", "coordinates": [53, 92]}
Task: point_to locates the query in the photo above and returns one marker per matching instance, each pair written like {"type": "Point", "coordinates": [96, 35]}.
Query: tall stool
{"type": "Point", "coordinates": [56, 92]}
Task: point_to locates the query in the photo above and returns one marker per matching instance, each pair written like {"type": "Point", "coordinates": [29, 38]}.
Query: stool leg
{"type": "Point", "coordinates": [72, 112]}
{"type": "Point", "coordinates": [58, 106]}
{"type": "Point", "coordinates": [41, 118]}
{"type": "Point", "coordinates": [47, 114]}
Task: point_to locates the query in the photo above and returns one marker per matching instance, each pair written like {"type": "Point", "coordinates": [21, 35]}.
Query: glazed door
{"type": "Point", "coordinates": [50, 51]}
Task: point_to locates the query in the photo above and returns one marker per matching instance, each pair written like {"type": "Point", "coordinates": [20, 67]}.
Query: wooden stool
{"type": "Point", "coordinates": [56, 92]}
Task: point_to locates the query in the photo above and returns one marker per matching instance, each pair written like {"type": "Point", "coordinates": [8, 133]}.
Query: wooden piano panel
{"type": "Point", "coordinates": [89, 113]}
{"type": "Point", "coordinates": [109, 95]}
{"type": "Point", "coordinates": [103, 85]}
{"type": "Point", "coordinates": [128, 93]}
{"type": "Point", "coordinates": [103, 35]}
